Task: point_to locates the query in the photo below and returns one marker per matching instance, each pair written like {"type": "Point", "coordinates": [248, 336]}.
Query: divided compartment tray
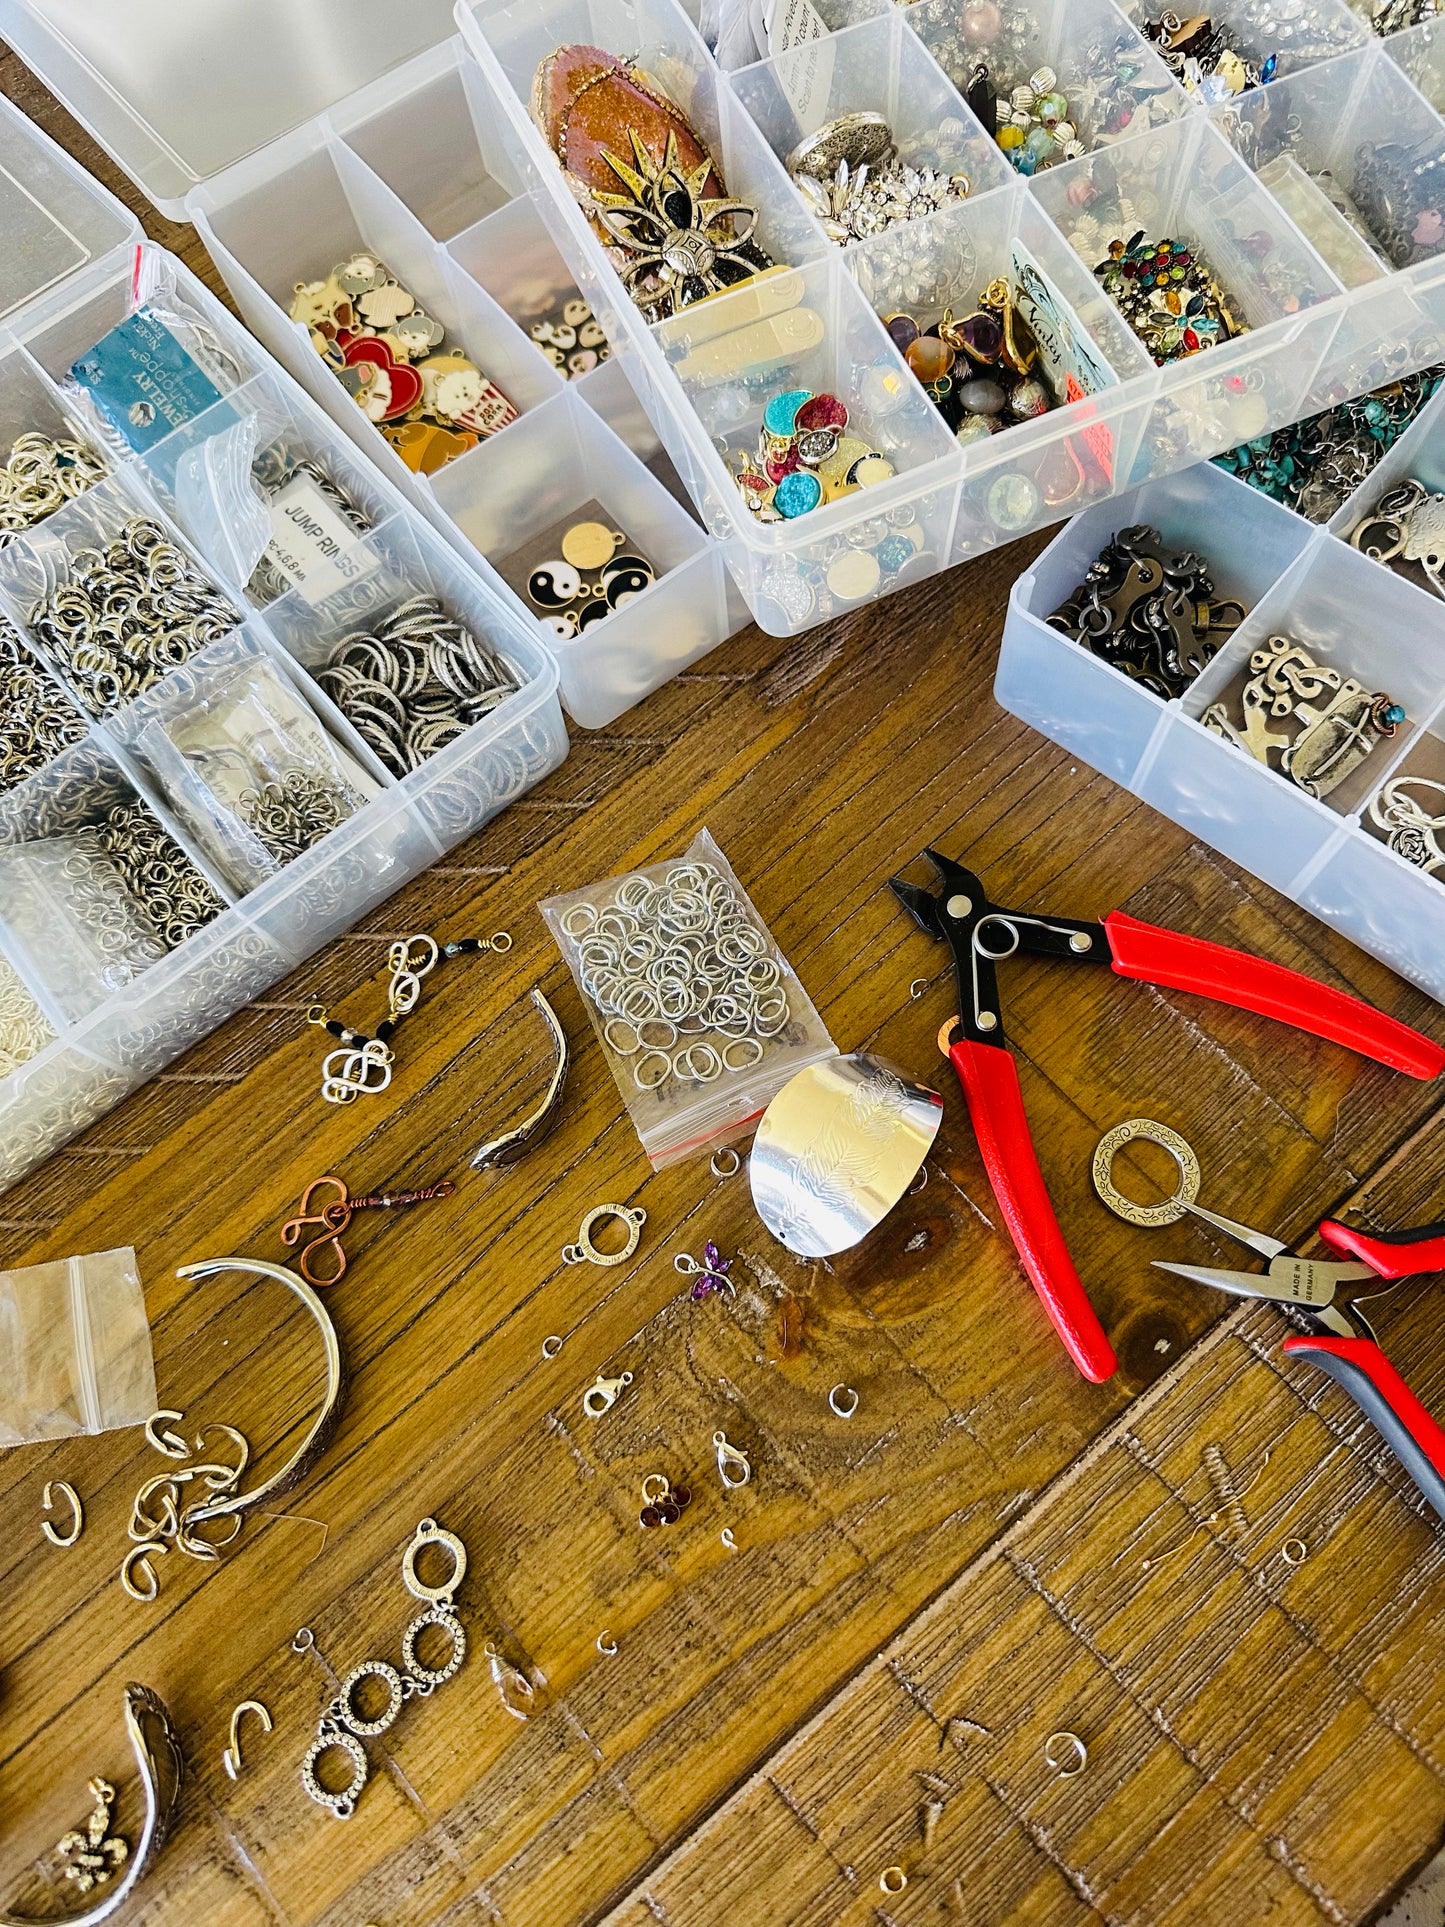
{"type": "Point", "coordinates": [111, 1033]}
{"type": "Point", "coordinates": [1297, 579]}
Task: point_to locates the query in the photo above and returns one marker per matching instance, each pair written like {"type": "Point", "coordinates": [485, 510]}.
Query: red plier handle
{"type": "Point", "coordinates": [1175, 962]}
{"type": "Point", "coordinates": [996, 1107]}
{"type": "Point", "coordinates": [1389, 1254]}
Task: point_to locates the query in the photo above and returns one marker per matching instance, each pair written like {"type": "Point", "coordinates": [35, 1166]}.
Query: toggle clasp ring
{"type": "Point", "coordinates": [633, 1217]}
{"type": "Point", "coordinates": [1172, 1208]}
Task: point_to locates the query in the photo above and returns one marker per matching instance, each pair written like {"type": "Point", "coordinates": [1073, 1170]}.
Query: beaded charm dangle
{"type": "Point", "coordinates": [711, 1274]}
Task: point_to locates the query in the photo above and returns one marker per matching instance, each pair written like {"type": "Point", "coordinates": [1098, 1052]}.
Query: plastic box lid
{"type": "Point", "coordinates": [175, 90]}
{"type": "Point", "coordinates": [55, 217]}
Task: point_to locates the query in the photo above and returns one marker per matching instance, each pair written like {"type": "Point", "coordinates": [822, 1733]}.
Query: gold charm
{"type": "Point", "coordinates": [91, 1856]}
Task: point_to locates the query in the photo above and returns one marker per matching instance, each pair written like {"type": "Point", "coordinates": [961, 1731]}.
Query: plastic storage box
{"type": "Point", "coordinates": [320, 123]}
{"type": "Point", "coordinates": [73, 266]}
{"type": "Point", "coordinates": [1176, 167]}
{"type": "Point", "coordinates": [1294, 578]}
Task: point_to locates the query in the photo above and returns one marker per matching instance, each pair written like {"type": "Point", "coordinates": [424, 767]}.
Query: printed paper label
{"type": "Point", "coordinates": [807, 76]}
{"type": "Point", "coordinates": [313, 547]}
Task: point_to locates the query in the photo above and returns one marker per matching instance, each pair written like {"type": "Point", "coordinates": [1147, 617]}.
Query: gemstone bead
{"type": "Point", "coordinates": [904, 331]}
{"type": "Point", "coordinates": [982, 397]}
{"type": "Point", "coordinates": [930, 358]}
{"type": "Point", "coordinates": [981, 335]}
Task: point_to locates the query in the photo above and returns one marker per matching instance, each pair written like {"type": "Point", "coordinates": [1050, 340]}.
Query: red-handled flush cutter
{"type": "Point", "coordinates": [1327, 1293]}
{"type": "Point", "coordinates": [980, 934]}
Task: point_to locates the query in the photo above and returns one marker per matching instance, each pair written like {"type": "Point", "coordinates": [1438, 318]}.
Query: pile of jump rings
{"type": "Point", "coordinates": [1312, 465]}
{"type": "Point", "coordinates": [36, 720]}
{"type": "Point", "coordinates": [288, 816]}
{"type": "Point", "coordinates": [414, 682]}
{"type": "Point", "coordinates": [40, 476]}
{"type": "Point", "coordinates": [274, 471]}
{"type": "Point", "coordinates": [154, 872]}
{"type": "Point", "coordinates": [1149, 614]}
{"type": "Point", "coordinates": [681, 975]}
{"type": "Point", "coordinates": [23, 1029]}
{"type": "Point", "coordinates": [127, 613]}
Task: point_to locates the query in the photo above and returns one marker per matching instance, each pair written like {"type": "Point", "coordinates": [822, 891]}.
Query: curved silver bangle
{"type": "Point", "coordinates": [158, 1757]}
{"type": "Point", "coordinates": [513, 1144]}
{"type": "Point", "coordinates": [322, 1426]}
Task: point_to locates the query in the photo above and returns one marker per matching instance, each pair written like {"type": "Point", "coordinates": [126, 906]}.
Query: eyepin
{"type": "Point", "coordinates": [732, 1465]}
{"type": "Point", "coordinates": [602, 1395]}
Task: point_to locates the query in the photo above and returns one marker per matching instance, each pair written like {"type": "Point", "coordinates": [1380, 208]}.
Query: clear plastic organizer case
{"type": "Point", "coordinates": [336, 125]}
{"type": "Point", "coordinates": [128, 928]}
{"type": "Point", "coordinates": [408, 169]}
{"type": "Point", "coordinates": [1157, 159]}
{"type": "Point", "coordinates": [1381, 627]}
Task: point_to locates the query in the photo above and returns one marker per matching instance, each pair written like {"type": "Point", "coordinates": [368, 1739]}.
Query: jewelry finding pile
{"type": "Point", "coordinates": [977, 371]}
{"type": "Point", "coordinates": [571, 338]}
{"type": "Point", "coordinates": [290, 481]}
{"type": "Point", "coordinates": [124, 614]}
{"type": "Point", "coordinates": [679, 975]}
{"type": "Point", "coordinates": [1151, 614]}
{"type": "Point", "coordinates": [135, 887]}
{"type": "Point", "coordinates": [805, 457]}
{"type": "Point", "coordinates": [36, 721]}
{"type": "Point", "coordinates": [1313, 465]}
{"type": "Point", "coordinates": [41, 474]}
{"type": "Point", "coordinates": [1168, 295]}
{"type": "Point", "coordinates": [1409, 811]}
{"type": "Point", "coordinates": [291, 814]}
{"type": "Point", "coordinates": [413, 681]}
{"type": "Point", "coordinates": [24, 1029]}
{"type": "Point", "coordinates": [1203, 58]}
{"type": "Point", "coordinates": [1406, 525]}
{"type": "Point", "coordinates": [430, 401]}
{"type": "Point", "coordinates": [855, 183]}
{"type": "Point", "coordinates": [1312, 724]}
{"type": "Point", "coordinates": [1031, 122]}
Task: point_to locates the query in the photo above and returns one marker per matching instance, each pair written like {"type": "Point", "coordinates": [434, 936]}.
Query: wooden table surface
{"type": "Point", "coordinates": [989, 1551]}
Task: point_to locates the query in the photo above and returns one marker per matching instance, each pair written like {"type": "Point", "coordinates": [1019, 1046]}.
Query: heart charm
{"type": "Point", "coordinates": [403, 386]}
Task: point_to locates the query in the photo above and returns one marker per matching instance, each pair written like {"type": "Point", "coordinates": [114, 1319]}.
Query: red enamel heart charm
{"type": "Point", "coordinates": [406, 383]}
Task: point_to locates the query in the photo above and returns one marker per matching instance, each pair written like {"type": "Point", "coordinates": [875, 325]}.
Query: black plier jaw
{"type": "Point", "coordinates": [981, 934]}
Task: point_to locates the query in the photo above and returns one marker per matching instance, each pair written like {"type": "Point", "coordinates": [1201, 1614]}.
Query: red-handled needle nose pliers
{"type": "Point", "coordinates": [1340, 1341]}
{"type": "Point", "coordinates": [981, 934]}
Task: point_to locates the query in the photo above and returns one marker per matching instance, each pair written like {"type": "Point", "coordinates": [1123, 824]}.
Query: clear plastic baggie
{"type": "Point", "coordinates": [75, 1348]}
{"type": "Point", "coordinates": [700, 1016]}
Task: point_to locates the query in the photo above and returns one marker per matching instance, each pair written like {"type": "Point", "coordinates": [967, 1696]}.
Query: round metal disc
{"type": "Point", "coordinates": [837, 1148]}
{"type": "Point", "coordinates": [862, 139]}
{"type": "Point", "coordinates": [1169, 1210]}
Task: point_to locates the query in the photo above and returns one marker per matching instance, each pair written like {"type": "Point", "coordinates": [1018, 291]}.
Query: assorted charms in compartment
{"type": "Point", "coordinates": [857, 185]}
{"type": "Point", "coordinates": [1311, 724]}
{"type": "Point", "coordinates": [1151, 614]}
{"type": "Point", "coordinates": [1031, 122]}
{"type": "Point", "coordinates": [639, 171]}
{"type": "Point", "coordinates": [572, 339]}
{"type": "Point", "coordinates": [1406, 525]}
{"type": "Point", "coordinates": [979, 371]}
{"type": "Point", "coordinates": [1168, 295]}
{"type": "Point", "coordinates": [1203, 59]}
{"type": "Point", "coordinates": [430, 401]}
{"type": "Point", "coordinates": [1313, 465]}
{"type": "Point", "coordinates": [597, 570]}
{"type": "Point", "coordinates": [806, 456]}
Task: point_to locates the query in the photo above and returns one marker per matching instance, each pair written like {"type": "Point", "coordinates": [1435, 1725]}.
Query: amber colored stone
{"type": "Point", "coordinates": [929, 358]}
{"type": "Point", "coordinates": [586, 100]}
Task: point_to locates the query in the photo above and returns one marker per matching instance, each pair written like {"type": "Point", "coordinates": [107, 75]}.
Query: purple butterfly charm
{"type": "Point", "coordinates": [712, 1273]}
